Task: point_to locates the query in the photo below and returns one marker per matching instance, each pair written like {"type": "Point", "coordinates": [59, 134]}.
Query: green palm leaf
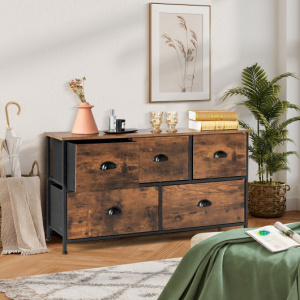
{"type": "Point", "coordinates": [236, 91]}
{"type": "Point", "coordinates": [284, 75]}
{"type": "Point", "coordinates": [288, 122]}
{"type": "Point", "coordinates": [261, 97]}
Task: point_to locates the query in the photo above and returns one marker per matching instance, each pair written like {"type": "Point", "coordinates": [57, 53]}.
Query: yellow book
{"type": "Point", "coordinates": [212, 115]}
{"type": "Point", "coordinates": [213, 125]}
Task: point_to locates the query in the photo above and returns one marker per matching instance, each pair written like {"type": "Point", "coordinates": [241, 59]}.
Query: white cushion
{"type": "Point", "coordinates": [201, 237]}
{"type": "Point", "coordinates": [205, 235]}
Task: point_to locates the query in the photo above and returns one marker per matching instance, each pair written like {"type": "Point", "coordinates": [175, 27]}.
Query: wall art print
{"type": "Point", "coordinates": [180, 52]}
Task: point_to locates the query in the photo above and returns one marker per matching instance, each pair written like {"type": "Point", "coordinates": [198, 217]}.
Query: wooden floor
{"type": "Point", "coordinates": [111, 252]}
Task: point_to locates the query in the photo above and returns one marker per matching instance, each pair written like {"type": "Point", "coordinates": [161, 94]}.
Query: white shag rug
{"type": "Point", "coordinates": [136, 281]}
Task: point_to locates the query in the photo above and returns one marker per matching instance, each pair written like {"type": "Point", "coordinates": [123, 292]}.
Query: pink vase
{"type": "Point", "coordinates": [85, 122]}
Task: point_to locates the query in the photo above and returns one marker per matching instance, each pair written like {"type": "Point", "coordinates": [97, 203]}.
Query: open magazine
{"type": "Point", "coordinates": [275, 238]}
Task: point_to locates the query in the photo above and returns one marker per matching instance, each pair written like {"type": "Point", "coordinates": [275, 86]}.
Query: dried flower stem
{"type": "Point", "coordinates": [188, 53]}
{"type": "Point", "coordinates": [171, 44]}
{"type": "Point", "coordinates": [77, 88]}
{"type": "Point", "coordinates": [194, 41]}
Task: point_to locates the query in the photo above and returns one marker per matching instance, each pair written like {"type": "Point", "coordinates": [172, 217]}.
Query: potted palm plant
{"type": "Point", "coordinates": [267, 198]}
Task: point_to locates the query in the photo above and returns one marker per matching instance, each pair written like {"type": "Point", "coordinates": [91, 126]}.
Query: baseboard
{"type": "Point", "coordinates": [293, 204]}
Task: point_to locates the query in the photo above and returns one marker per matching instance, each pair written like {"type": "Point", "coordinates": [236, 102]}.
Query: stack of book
{"type": "Point", "coordinates": [213, 120]}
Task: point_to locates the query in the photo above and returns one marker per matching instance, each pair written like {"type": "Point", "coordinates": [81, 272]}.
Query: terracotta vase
{"type": "Point", "coordinates": [85, 122]}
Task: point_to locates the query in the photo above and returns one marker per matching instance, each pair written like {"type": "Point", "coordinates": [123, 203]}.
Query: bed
{"type": "Point", "coordinates": [233, 266]}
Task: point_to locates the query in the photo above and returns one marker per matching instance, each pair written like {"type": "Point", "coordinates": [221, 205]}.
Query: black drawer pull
{"type": "Point", "coordinates": [114, 211]}
{"type": "Point", "coordinates": [108, 165]}
{"type": "Point", "coordinates": [220, 154]}
{"type": "Point", "coordinates": [160, 157]}
{"type": "Point", "coordinates": [204, 203]}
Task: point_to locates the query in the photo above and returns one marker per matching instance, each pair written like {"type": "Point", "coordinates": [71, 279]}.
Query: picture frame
{"type": "Point", "coordinates": [180, 52]}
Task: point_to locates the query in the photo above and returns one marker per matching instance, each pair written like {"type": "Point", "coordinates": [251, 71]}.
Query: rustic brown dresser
{"type": "Point", "coordinates": [118, 185]}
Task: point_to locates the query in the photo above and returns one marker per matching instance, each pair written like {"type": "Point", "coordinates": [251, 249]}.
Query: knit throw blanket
{"type": "Point", "coordinates": [22, 224]}
{"type": "Point", "coordinates": [233, 266]}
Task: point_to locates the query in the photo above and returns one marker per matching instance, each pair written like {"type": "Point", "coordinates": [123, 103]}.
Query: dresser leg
{"type": "Point", "coordinates": [48, 236]}
{"type": "Point", "coordinates": [65, 252]}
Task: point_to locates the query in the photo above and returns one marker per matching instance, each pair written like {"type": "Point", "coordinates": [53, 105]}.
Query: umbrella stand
{"type": "Point", "coordinates": [12, 144]}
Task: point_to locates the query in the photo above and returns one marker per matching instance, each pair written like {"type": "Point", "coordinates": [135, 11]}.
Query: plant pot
{"type": "Point", "coordinates": [267, 201]}
{"type": "Point", "coordinates": [85, 122]}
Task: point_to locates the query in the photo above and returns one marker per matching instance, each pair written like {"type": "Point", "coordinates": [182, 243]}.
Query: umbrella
{"type": "Point", "coordinates": [2, 170]}
{"type": "Point", "coordinates": [12, 145]}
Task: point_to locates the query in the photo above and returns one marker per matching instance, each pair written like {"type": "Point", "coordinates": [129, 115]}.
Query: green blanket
{"type": "Point", "coordinates": [232, 266]}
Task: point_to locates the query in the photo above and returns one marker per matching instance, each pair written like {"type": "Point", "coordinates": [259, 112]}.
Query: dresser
{"type": "Point", "coordinates": [119, 185]}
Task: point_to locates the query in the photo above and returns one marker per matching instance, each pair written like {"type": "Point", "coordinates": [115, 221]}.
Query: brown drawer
{"type": "Point", "coordinates": [103, 166]}
{"type": "Point", "coordinates": [219, 155]}
{"type": "Point", "coordinates": [163, 159]}
{"type": "Point", "coordinates": [112, 212]}
{"type": "Point", "coordinates": [203, 204]}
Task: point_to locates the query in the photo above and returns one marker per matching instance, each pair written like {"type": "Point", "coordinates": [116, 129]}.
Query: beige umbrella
{"type": "Point", "coordinates": [12, 145]}
{"type": "Point", "coordinates": [2, 170]}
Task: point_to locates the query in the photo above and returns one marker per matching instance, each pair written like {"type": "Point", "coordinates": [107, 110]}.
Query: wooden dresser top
{"type": "Point", "coordinates": [68, 136]}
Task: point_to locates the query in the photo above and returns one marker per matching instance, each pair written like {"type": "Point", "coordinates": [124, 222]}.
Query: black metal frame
{"type": "Point", "coordinates": [64, 191]}
{"type": "Point", "coordinates": [246, 183]}
{"type": "Point", "coordinates": [160, 185]}
{"type": "Point", "coordinates": [48, 202]}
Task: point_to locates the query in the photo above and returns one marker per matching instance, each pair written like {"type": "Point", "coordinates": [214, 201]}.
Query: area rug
{"type": "Point", "coordinates": [136, 281]}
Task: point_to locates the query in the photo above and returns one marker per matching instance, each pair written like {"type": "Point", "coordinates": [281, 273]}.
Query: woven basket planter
{"type": "Point", "coordinates": [267, 201]}
{"type": "Point", "coordinates": [35, 164]}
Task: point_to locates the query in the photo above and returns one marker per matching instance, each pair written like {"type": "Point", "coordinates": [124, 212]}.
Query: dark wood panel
{"type": "Point", "coordinates": [175, 168]}
{"type": "Point", "coordinates": [87, 212]}
{"type": "Point", "coordinates": [68, 136]}
{"type": "Point", "coordinates": [89, 157]}
{"type": "Point", "coordinates": [205, 165]}
{"type": "Point", "coordinates": [56, 160]}
{"type": "Point", "coordinates": [180, 210]}
{"type": "Point", "coordinates": [56, 208]}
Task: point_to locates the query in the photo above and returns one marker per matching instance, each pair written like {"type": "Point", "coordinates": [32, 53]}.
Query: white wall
{"type": "Point", "coordinates": [44, 44]}
{"type": "Point", "coordinates": [288, 60]}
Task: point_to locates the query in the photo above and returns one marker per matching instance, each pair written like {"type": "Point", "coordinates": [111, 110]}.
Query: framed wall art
{"type": "Point", "coordinates": [179, 53]}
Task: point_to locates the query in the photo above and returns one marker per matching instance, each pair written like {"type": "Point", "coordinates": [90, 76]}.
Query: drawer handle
{"type": "Point", "coordinates": [220, 154]}
{"type": "Point", "coordinates": [204, 203]}
{"type": "Point", "coordinates": [114, 211]}
{"type": "Point", "coordinates": [160, 157]}
{"type": "Point", "coordinates": [108, 165]}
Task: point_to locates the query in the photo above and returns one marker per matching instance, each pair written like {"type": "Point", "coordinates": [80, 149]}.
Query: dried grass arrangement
{"type": "Point", "coordinates": [77, 86]}
{"type": "Point", "coordinates": [188, 50]}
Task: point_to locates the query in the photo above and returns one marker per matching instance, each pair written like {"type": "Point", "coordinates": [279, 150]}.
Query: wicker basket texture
{"type": "Point", "coordinates": [35, 164]}
{"type": "Point", "coordinates": [267, 201]}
